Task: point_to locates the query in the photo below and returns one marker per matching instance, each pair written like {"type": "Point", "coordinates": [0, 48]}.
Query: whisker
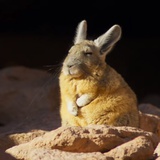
{"type": "Point", "coordinates": [51, 78]}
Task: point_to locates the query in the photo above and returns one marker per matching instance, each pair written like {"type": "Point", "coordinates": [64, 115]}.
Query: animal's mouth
{"type": "Point", "coordinates": [75, 71]}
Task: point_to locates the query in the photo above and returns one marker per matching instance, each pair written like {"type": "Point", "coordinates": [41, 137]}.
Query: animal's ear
{"type": "Point", "coordinates": [81, 32]}
{"type": "Point", "coordinates": [106, 41]}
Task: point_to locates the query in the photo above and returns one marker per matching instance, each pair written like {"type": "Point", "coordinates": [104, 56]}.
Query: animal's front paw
{"type": "Point", "coordinates": [83, 100]}
{"type": "Point", "coordinates": [72, 108]}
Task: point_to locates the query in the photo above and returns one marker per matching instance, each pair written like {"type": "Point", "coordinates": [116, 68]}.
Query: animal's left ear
{"type": "Point", "coordinates": [106, 41]}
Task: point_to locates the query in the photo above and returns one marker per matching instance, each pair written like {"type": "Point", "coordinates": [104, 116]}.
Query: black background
{"type": "Point", "coordinates": [39, 33]}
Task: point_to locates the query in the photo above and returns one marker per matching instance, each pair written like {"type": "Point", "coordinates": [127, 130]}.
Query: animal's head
{"type": "Point", "coordinates": [87, 57]}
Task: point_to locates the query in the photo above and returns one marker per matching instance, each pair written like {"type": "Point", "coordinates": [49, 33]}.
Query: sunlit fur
{"type": "Point", "coordinates": [111, 100]}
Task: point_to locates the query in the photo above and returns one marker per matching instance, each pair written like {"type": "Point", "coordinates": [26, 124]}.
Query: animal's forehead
{"type": "Point", "coordinates": [85, 46]}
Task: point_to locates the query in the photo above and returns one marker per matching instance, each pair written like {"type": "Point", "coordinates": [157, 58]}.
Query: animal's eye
{"type": "Point", "coordinates": [88, 54]}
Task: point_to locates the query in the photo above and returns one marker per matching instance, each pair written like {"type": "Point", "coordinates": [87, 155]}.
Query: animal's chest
{"type": "Point", "coordinates": [83, 86]}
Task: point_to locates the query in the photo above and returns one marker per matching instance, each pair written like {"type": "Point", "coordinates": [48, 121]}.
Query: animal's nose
{"type": "Point", "coordinates": [70, 65]}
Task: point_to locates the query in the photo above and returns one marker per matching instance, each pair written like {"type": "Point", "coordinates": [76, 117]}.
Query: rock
{"type": "Point", "coordinates": [5, 156]}
{"type": "Point", "coordinates": [149, 109]}
{"type": "Point", "coordinates": [30, 124]}
{"type": "Point", "coordinates": [140, 147]}
{"type": "Point", "coordinates": [94, 138]}
{"type": "Point", "coordinates": [157, 152]}
{"type": "Point", "coordinates": [150, 123]}
{"type": "Point", "coordinates": [29, 105]}
{"type": "Point", "coordinates": [48, 154]}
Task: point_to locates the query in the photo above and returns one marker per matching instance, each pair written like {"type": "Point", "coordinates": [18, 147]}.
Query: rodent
{"type": "Point", "coordinates": [91, 91]}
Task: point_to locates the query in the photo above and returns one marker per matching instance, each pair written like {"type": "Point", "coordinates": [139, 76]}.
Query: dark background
{"type": "Point", "coordinates": [39, 33]}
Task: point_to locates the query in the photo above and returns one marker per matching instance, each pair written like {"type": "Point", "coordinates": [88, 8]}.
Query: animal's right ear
{"type": "Point", "coordinates": [106, 41]}
{"type": "Point", "coordinates": [81, 32]}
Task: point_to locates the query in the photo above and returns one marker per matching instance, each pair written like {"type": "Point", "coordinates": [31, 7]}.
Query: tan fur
{"type": "Point", "coordinates": [98, 94]}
